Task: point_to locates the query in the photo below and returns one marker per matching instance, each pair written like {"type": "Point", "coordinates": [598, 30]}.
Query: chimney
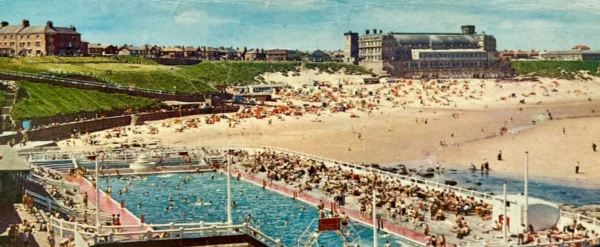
{"type": "Point", "coordinates": [25, 23]}
{"type": "Point", "coordinates": [4, 24]}
{"type": "Point", "coordinates": [73, 28]}
{"type": "Point", "coordinates": [374, 31]}
{"type": "Point", "coordinates": [380, 31]}
{"type": "Point", "coordinates": [367, 31]}
{"type": "Point", "coordinates": [49, 24]}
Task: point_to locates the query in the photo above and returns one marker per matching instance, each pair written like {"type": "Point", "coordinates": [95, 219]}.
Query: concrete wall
{"type": "Point", "coordinates": [175, 61]}
{"type": "Point", "coordinates": [65, 130]}
{"type": "Point", "coordinates": [189, 242]}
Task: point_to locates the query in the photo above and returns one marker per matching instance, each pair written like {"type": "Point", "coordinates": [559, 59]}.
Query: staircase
{"type": "Point", "coordinates": [10, 101]}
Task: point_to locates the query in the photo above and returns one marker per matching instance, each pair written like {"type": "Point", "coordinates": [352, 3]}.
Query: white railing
{"type": "Point", "coordinates": [58, 183]}
{"type": "Point", "coordinates": [109, 234]}
{"type": "Point", "coordinates": [49, 203]}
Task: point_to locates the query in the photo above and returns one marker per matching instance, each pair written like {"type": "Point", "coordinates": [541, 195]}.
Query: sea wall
{"type": "Point", "coordinates": [65, 130]}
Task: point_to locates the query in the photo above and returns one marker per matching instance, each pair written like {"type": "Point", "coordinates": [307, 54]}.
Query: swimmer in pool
{"type": "Point", "coordinates": [185, 199]}
{"type": "Point", "coordinates": [125, 189]}
{"type": "Point", "coordinates": [139, 205]}
{"type": "Point", "coordinates": [212, 177]}
{"type": "Point", "coordinates": [184, 214]}
{"type": "Point", "coordinates": [167, 209]}
{"type": "Point", "coordinates": [146, 193]}
{"type": "Point", "coordinates": [200, 200]}
{"type": "Point", "coordinates": [241, 193]}
{"type": "Point", "coordinates": [177, 188]}
{"type": "Point", "coordinates": [208, 203]}
{"type": "Point", "coordinates": [153, 184]}
{"type": "Point", "coordinates": [234, 204]}
{"type": "Point", "coordinates": [302, 208]}
{"type": "Point", "coordinates": [286, 223]}
{"type": "Point", "coordinates": [120, 192]}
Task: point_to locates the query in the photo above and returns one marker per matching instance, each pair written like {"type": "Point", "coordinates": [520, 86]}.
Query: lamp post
{"type": "Point", "coordinates": [526, 212]}
{"type": "Point", "coordinates": [374, 214]}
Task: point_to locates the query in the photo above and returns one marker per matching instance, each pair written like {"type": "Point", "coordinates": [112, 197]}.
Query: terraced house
{"type": "Point", "coordinates": [26, 40]}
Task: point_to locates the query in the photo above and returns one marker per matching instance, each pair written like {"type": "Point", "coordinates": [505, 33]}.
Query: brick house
{"type": "Point", "coordinates": [26, 40]}
{"type": "Point", "coordinates": [277, 55]}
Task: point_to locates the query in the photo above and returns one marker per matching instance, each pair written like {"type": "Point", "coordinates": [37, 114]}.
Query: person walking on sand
{"type": "Point", "coordinates": [577, 168]}
{"type": "Point", "coordinates": [594, 147]}
{"type": "Point", "coordinates": [500, 155]}
{"type": "Point", "coordinates": [564, 131]}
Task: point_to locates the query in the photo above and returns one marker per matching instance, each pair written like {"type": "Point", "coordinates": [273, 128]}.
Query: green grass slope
{"type": "Point", "coordinates": [44, 100]}
{"type": "Point", "coordinates": [556, 69]}
{"type": "Point", "coordinates": [145, 73]}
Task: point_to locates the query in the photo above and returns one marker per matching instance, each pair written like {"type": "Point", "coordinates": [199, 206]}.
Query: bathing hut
{"type": "Point", "coordinates": [541, 214]}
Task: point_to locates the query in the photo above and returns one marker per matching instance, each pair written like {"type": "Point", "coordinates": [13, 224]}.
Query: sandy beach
{"type": "Point", "coordinates": [469, 127]}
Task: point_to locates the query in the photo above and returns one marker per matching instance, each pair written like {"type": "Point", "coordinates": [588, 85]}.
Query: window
{"type": "Point", "coordinates": [11, 37]}
{"type": "Point", "coordinates": [12, 43]}
{"type": "Point", "coordinates": [28, 44]}
{"type": "Point", "coordinates": [38, 44]}
{"type": "Point", "coordinates": [37, 36]}
{"type": "Point", "coordinates": [27, 36]}
{"type": "Point", "coordinates": [22, 44]}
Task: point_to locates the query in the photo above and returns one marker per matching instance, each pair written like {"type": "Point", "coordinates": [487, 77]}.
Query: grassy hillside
{"type": "Point", "coordinates": [44, 100]}
{"type": "Point", "coordinates": [2, 98]}
{"type": "Point", "coordinates": [145, 73]}
{"type": "Point", "coordinates": [556, 69]}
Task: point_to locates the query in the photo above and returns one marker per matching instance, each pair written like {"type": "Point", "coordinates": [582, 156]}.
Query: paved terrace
{"type": "Point", "coordinates": [481, 230]}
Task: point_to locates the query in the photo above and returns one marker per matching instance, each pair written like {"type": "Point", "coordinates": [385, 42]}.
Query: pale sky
{"type": "Point", "coordinates": [312, 24]}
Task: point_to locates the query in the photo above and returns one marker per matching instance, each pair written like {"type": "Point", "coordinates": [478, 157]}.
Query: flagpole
{"type": "Point", "coordinates": [97, 196]}
{"type": "Point", "coordinates": [229, 218]}
{"type": "Point", "coordinates": [526, 213]}
{"type": "Point", "coordinates": [504, 223]}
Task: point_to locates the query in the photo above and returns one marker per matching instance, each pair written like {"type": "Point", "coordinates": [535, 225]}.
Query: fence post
{"type": "Point", "coordinates": [149, 234]}
{"type": "Point", "coordinates": [49, 202]}
{"type": "Point", "coordinates": [95, 238]}
{"type": "Point", "coordinates": [60, 225]}
{"type": "Point", "coordinates": [180, 232]}
{"type": "Point", "coordinates": [201, 227]}
{"type": "Point", "coordinates": [278, 243]}
{"type": "Point", "coordinates": [214, 230]}
{"type": "Point", "coordinates": [141, 226]}
{"type": "Point", "coordinates": [245, 228]}
{"type": "Point", "coordinates": [111, 237]}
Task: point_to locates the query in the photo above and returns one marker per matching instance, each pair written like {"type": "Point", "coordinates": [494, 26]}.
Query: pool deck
{"type": "Point", "coordinates": [108, 205]}
{"type": "Point", "coordinates": [408, 234]}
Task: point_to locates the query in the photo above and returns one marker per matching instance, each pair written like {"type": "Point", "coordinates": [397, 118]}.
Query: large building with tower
{"type": "Point", "coordinates": [427, 55]}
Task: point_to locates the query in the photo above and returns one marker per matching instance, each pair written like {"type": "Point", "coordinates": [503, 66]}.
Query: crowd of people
{"type": "Point", "coordinates": [405, 204]}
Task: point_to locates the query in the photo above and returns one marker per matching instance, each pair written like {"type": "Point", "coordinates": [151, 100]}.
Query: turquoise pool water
{"type": "Point", "coordinates": [268, 208]}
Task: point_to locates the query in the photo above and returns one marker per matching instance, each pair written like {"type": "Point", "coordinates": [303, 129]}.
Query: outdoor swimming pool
{"type": "Point", "coordinates": [268, 208]}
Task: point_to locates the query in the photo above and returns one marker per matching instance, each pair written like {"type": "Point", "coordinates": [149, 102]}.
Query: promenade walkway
{"type": "Point", "coordinates": [108, 205]}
